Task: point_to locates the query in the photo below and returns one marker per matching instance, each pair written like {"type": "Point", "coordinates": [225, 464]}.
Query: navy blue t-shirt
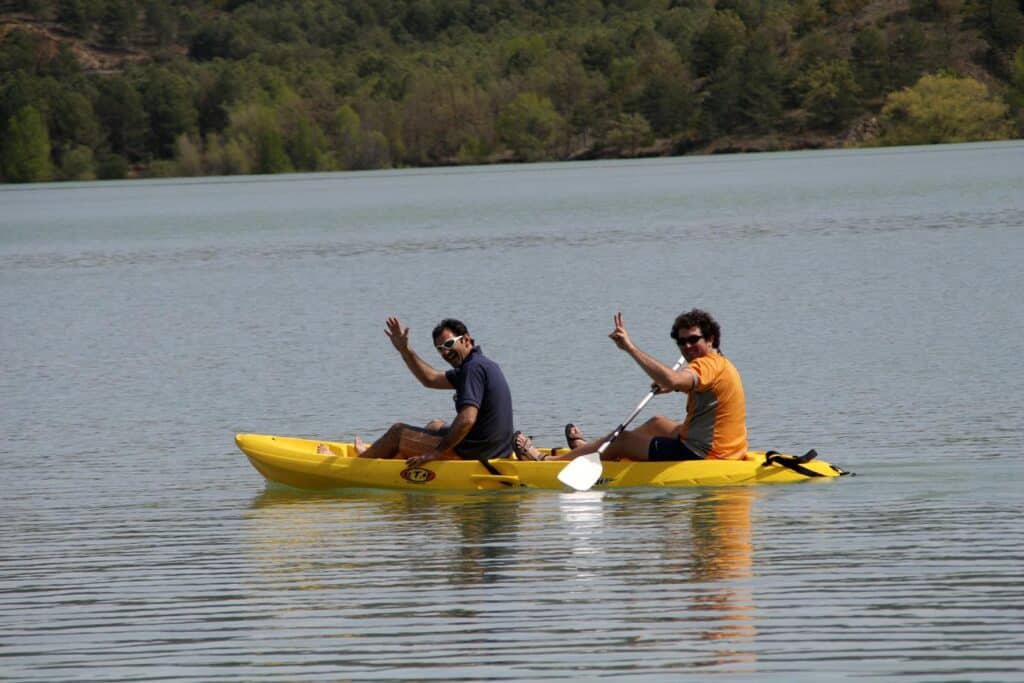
{"type": "Point", "coordinates": [479, 382]}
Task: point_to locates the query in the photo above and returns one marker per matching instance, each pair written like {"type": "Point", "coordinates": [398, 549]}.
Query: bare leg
{"type": "Point", "coordinates": [400, 439]}
{"type": "Point", "coordinates": [659, 425]}
{"type": "Point", "coordinates": [631, 444]}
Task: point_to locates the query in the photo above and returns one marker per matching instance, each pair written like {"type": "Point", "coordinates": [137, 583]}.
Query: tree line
{"type": "Point", "coordinates": [113, 88]}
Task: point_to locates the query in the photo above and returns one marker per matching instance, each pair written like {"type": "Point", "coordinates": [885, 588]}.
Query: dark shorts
{"type": "Point", "coordinates": [667, 448]}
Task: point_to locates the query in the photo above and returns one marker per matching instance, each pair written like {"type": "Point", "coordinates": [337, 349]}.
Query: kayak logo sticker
{"type": "Point", "coordinates": [418, 475]}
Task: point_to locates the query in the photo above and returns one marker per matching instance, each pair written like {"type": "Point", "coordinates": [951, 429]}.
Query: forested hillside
{"type": "Point", "coordinates": [115, 88]}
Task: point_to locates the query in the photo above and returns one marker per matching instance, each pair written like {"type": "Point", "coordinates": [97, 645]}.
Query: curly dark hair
{"type": "Point", "coordinates": [457, 328]}
{"type": "Point", "coordinates": [698, 318]}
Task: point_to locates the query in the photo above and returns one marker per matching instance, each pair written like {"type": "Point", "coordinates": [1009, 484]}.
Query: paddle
{"type": "Point", "coordinates": [584, 471]}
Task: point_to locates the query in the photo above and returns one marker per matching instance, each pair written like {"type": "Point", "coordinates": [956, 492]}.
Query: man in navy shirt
{"type": "Point", "coordinates": [482, 428]}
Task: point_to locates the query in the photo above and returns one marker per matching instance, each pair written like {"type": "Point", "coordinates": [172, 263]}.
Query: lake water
{"type": "Point", "coordinates": [871, 299]}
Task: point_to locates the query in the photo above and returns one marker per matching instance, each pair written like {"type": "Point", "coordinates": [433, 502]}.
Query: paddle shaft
{"type": "Point", "coordinates": [643, 404]}
{"type": "Point", "coordinates": [585, 471]}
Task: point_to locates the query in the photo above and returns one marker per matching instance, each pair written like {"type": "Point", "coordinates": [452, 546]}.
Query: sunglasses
{"type": "Point", "coordinates": [692, 339]}
{"type": "Point", "coordinates": [447, 344]}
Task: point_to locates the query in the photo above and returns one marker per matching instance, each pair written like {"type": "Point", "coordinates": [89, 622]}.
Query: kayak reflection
{"type": "Point", "coordinates": [721, 566]}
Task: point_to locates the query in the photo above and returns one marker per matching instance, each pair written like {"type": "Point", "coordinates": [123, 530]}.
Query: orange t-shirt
{"type": "Point", "coordinates": [716, 411]}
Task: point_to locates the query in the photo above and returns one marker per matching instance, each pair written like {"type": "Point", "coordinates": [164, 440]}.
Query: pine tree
{"type": "Point", "coordinates": [25, 155]}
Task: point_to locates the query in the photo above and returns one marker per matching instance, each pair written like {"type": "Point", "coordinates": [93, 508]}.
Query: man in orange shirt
{"type": "Point", "coordinates": [715, 424]}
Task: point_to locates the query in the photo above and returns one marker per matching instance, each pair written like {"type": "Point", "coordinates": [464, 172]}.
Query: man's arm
{"type": "Point", "coordinates": [427, 375]}
{"type": "Point", "coordinates": [460, 427]}
{"type": "Point", "coordinates": [665, 377]}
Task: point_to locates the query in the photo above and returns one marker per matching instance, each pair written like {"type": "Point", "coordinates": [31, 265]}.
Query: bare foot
{"type": "Point", "coordinates": [524, 448]}
{"type": "Point", "coordinates": [360, 445]}
{"type": "Point", "coordinates": [322, 449]}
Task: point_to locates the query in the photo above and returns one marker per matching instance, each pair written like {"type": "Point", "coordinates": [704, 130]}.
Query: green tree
{"type": "Point", "coordinates": [667, 100]}
{"type": "Point", "coordinates": [26, 148]}
{"type": "Point", "coordinates": [305, 145]}
{"type": "Point", "coordinates": [161, 22]}
{"type": "Point", "coordinates": [119, 20]}
{"type": "Point", "coordinates": [222, 38]}
{"type": "Point", "coordinates": [717, 53]}
{"type": "Point", "coordinates": [760, 98]}
{"type": "Point", "coordinates": [20, 51]}
{"type": "Point", "coordinates": [111, 167]}
{"type": "Point", "coordinates": [1003, 21]}
{"type": "Point", "coordinates": [906, 42]}
{"type": "Point", "coordinates": [120, 111]}
{"type": "Point", "coordinates": [170, 105]}
{"type": "Point", "coordinates": [830, 94]}
{"type": "Point", "coordinates": [723, 98]}
{"type": "Point", "coordinates": [188, 156]}
{"type": "Point", "coordinates": [808, 15]}
{"type": "Point", "coordinates": [271, 156]}
{"type": "Point", "coordinates": [816, 47]}
{"type": "Point", "coordinates": [580, 94]}
{"type": "Point", "coordinates": [422, 19]}
{"type": "Point", "coordinates": [751, 12]}
{"type": "Point", "coordinates": [628, 133]}
{"type": "Point", "coordinates": [256, 128]}
{"type": "Point", "coordinates": [1017, 77]}
{"type": "Point", "coordinates": [944, 108]}
{"type": "Point", "coordinates": [719, 44]}
{"type": "Point", "coordinates": [438, 113]}
{"type": "Point", "coordinates": [374, 151]}
{"type": "Point", "coordinates": [73, 121]}
{"type": "Point", "coordinates": [530, 126]}
{"type": "Point", "coordinates": [523, 53]}
{"type": "Point", "coordinates": [78, 164]}
{"type": "Point", "coordinates": [347, 129]}
{"type": "Point", "coordinates": [81, 15]}
{"type": "Point", "coordinates": [870, 60]}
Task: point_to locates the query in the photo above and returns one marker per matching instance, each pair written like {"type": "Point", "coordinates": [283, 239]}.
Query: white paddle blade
{"type": "Point", "coordinates": [583, 472]}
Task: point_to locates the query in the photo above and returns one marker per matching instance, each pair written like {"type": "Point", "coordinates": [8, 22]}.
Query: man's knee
{"type": "Point", "coordinates": [396, 429]}
{"type": "Point", "coordinates": [659, 423]}
{"type": "Point", "coordinates": [435, 425]}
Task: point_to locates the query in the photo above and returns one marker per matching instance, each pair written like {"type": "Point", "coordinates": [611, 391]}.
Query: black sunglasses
{"type": "Point", "coordinates": [692, 339]}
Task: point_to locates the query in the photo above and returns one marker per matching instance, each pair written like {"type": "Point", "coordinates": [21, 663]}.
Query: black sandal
{"type": "Point", "coordinates": [522, 451]}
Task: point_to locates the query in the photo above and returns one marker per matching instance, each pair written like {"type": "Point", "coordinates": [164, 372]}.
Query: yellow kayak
{"type": "Point", "coordinates": [303, 464]}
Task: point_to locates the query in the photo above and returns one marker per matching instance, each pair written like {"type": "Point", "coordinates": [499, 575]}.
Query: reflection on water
{"type": "Point", "coordinates": [405, 564]}
{"type": "Point", "coordinates": [723, 557]}
{"type": "Point", "coordinates": [582, 518]}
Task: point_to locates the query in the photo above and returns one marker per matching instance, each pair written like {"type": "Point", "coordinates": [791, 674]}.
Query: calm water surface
{"type": "Point", "coordinates": [871, 299]}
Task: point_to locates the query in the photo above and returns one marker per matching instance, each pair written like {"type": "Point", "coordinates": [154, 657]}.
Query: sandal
{"type": "Point", "coordinates": [522, 446]}
{"type": "Point", "coordinates": [573, 436]}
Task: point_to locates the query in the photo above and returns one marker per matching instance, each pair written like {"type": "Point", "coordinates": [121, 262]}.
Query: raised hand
{"type": "Point", "coordinates": [398, 335]}
{"type": "Point", "coordinates": [619, 334]}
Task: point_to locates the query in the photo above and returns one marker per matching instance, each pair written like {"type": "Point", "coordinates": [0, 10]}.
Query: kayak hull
{"type": "Point", "coordinates": [296, 462]}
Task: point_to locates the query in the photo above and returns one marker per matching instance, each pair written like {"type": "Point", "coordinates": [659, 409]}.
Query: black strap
{"type": "Point", "coordinates": [493, 470]}
{"type": "Point", "coordinates": [488, 466]}
{"type": "Point", "coordinates": [792, 462]}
